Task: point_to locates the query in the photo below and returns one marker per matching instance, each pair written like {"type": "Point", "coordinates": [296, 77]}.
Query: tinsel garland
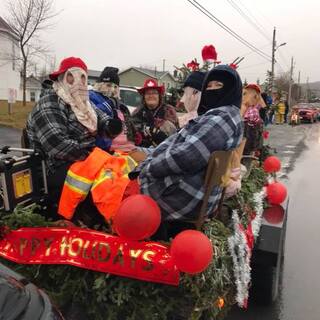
{"type": "Point", "coordinates": [241, 250]}
{"type": "Point", "coordinates": [256, 222]}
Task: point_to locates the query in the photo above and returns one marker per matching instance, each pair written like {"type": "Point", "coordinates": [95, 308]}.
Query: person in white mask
{"type": "Point", "coordinates": [191, 96]}
{"type": "Point", "coordinates": [63, 125]}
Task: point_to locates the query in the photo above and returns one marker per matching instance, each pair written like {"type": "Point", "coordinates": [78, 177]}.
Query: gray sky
{"type": "Point", "coordinates": [143, 32]}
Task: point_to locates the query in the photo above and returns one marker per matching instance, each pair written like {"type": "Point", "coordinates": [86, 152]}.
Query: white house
{"type": "Point", "coordinates": [9, 71]}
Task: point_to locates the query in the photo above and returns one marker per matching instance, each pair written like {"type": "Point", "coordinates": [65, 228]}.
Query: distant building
{"type": "Point", "coordinates": [33, 89]}
{"type": "Point", "coordinates": [136, 76]}
{"type": "Point", "coordinates": [9, 52]}
{"type": "Point", "coordinates": [93, 76]}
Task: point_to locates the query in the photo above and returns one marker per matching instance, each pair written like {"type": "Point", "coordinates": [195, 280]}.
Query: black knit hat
{"type": "Point", "coordinates": [195, 80]}
{"type": "Point", "coordinates": [109, 74]}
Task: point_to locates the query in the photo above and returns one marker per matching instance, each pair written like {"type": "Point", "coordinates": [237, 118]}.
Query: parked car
{"type": "Point", "coordinates": [130, 97]}
{"type": "Point", "coordinates": [308, 113]}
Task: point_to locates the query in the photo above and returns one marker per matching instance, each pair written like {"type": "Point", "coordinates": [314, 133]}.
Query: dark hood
{"type": "Point", "coordinates": [46, 87]}
{"type": "Point", "coordinates": [231, 94]}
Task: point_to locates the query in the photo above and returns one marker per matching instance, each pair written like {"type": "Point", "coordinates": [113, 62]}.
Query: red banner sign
{"type": "Point", "coordinates": [92, 250]}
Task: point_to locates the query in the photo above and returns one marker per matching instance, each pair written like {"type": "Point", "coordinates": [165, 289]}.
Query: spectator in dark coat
{"type": "Point", "coordinates": [154, 120]}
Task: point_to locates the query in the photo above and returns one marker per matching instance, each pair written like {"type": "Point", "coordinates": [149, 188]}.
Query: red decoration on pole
{"type": "Point", "coordinates": [265, 135]}
{"type": "Point", "coordinates": [276, 193]}
{"type": "Point", "coordinates": [191, 251]}
{"type": "Point", "coordinates": [193, 65]}
{"type": "Point", "coordinates": [274, 214]}
{"type": "Point", "coordinates": [209, 53]}
{"type": "Point", "coordinates": [137, 218]}
{"type": "Point", "coordinates": [233, 66]}
{"type": "Point", "coordinates": [272, 164]}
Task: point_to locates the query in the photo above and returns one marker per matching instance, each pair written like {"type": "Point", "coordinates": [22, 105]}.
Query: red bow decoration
{"type": "Point", "coordinates": [209, 53]}
{"type": "Point", "coordinates": [233, 66]}
{"type": "Point", "coordinates": [193, 65]}
{"type": "Point", "coordinates": [265, 135]}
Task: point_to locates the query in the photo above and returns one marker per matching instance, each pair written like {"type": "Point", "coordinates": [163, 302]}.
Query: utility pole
{"type": "Point", "coordinates": [164, 65]}
{"type": "Point", "coordinates": [290, 83]}
{"type": "Point", "coordinates": [299, 90]}
{"type": "Point", "coordinates": [307, 91]}
{"type": "Point", "coordinates": [273, 58]}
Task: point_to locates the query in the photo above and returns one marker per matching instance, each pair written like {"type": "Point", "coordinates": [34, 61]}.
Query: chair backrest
{"type": "Point", "coordinates": [217, 174]}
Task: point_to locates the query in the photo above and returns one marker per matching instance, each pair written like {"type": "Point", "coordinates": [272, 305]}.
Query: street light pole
{"type": "Point", "coordinates": [273, 59]}
{"type": "Point", "coordinates": [290, 83]}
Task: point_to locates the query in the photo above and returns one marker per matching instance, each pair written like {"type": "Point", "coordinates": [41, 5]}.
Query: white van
{"type": "Point", "coordinates": [130, 97]}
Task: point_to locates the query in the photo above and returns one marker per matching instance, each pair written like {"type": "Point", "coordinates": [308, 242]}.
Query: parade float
{"type": "Point", "coordinates": [118, 272]}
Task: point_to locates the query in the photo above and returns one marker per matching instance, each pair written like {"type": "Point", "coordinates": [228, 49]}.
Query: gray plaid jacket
{"type": "Point", "coordinates": [174, 173]}
{"type": "Point", "coordinates": [53, 128]}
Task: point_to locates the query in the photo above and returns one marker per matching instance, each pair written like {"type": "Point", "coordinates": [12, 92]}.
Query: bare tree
{"type": "Point", "coordinates": [28, 18]}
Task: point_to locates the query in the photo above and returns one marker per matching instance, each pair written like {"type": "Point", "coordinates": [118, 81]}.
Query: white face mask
{"type": "Point", "coordinates": [72, 88]}
{"type": "Point", "coordinates": [108, 89]}
{"type": "Point", "coordinates": [76, 84]}
{"type": "Point", "coordinates": [191, 99]}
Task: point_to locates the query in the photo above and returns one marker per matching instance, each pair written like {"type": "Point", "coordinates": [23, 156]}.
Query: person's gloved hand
{"type": "Point", "coordinates": [114, 128]}
{"type": "Point", "coordinates": [158, 136]}
{"type": "Point", "coordinates": [168, 128]}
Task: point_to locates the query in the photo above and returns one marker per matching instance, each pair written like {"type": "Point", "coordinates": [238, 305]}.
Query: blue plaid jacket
{"type": "Point", "coordinates": [174, 173]}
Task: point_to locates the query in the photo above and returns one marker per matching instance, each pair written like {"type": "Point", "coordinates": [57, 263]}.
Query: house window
{"type": "Point", "coordinates": [32, 96]}
{"type": "Point", "coordinates": [168, 85]}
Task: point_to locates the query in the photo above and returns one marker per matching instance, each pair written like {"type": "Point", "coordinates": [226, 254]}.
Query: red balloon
{"type": "Point", "coordinates": [274, 214]}
{"type": "Point", "coordinates": [272, 164]}
{"type": "Point", "coordinates": [276, 193]}
{"type": "Point", "coordinates": [137, 218]}
{"type": "Point", "coordinates": [191, 251]}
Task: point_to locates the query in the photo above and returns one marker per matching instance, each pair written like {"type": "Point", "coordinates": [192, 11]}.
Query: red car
{"type": "Point", "coordinates": [308, 113]}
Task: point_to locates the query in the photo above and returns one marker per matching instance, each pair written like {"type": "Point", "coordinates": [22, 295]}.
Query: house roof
{"type": "Point", "coordinates": [149, 72]}
{"type": "Point", "coordinates": [6, 28]}
{"type": "Point", "coordinates": [93, 73]}
{"type": "Point", "coordinates": [33, 83]}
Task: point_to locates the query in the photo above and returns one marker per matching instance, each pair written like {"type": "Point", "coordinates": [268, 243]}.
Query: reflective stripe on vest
{"type": "Point", "coordinates": [77, 183]}
{"type": "Point", "coordinates": [104, 175]}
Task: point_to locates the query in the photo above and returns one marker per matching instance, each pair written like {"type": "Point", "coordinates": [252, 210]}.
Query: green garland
{"type": "Point", "coordinates": [107, 297]}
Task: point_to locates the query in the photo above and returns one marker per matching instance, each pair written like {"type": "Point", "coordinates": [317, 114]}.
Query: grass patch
{"type": "Point", "coordinates": [19, 114]}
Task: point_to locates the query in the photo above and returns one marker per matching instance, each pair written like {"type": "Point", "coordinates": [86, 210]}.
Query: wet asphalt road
{"type": "Point", "coordinates": [9, 137]}
{"type": "Point", "coordinates": [299, 150]}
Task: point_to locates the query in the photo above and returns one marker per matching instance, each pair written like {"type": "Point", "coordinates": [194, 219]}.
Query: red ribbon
{"type": "Point", "coordinates": [92, 250]}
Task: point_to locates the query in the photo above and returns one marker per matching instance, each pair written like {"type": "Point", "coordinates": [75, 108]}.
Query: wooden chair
{"type": "Point", "coordinates": [218, 175]}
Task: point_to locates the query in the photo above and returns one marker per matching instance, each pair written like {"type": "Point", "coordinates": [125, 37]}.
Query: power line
{"type": "Point", "coordinates": [226, 28]}
{"type": "Point", "coordinates": [248, 19]}
{"type": "Point", "coordinates": [253, 18]}
{"type": "Point", "coordinates": [262, 27]}
{"type": "Point", "coordinates": [252, 65]}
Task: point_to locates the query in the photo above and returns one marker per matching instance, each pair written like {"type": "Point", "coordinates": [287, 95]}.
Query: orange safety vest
{"type": "Point", "coordinates": [105, 175]}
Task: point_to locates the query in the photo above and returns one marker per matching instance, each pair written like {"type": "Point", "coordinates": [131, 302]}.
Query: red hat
{"type": "Point", "coordinates": [151, 84]}
{"type": "Point", "coordinates": [66, 64]}
{"type": "Point", "coordinates": [254, 87]}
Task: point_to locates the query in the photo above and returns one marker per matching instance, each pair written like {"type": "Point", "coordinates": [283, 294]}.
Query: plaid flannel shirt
{"type": "Point", "coordinates": [53, 128]}
{"type": "Point", "coordinates": [174, 173]}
